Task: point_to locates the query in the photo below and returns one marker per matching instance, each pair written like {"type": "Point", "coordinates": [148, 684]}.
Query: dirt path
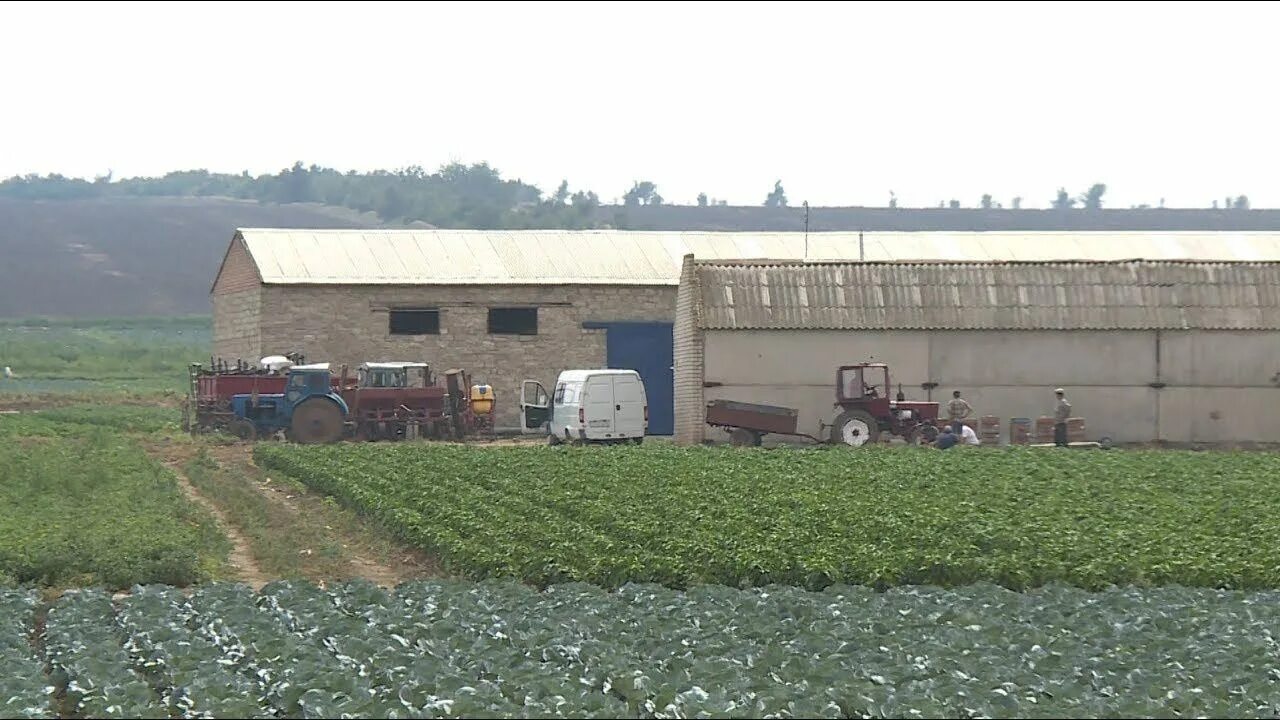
{"type": "Point", "coordinates": [240, 558]}
{"type": "Point", "coordinates": [371, 557]}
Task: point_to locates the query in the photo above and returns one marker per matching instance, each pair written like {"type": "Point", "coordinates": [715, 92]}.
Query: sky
{"type": "Point", "coordinates": [843, 102]}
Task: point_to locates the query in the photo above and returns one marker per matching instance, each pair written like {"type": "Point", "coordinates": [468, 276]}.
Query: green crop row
{"type": "Point", "coordinates": [504, 649]}
{"type": "Point", "coordinates": [24, 690]}
{"type": "Point", "coordinates": [84, 505]}
{"type": "Point", "coordinates": [128, 418]}
{"type": "Point", "coordinates": [879, 517]}
{"type": "Point", "coordinates": [88, 662]}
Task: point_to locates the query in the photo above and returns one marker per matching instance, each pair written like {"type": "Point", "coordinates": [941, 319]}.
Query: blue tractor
{"type": "Point", "coordinates": [310, 410]}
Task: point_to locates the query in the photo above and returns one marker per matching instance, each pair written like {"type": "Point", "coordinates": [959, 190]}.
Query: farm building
{"type": "Point", "coordinates": [510, 305]}
{"type": "Point", "coordinates": [1146, 350]}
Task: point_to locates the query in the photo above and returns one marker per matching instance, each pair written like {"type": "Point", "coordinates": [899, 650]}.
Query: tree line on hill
{"type": "Point", "coordinates": [455, 196]}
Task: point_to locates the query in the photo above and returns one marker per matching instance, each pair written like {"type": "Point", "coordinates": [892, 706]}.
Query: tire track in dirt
{"type": "Point", "coordinates": [240, 558]}
{"type": "Point", "coordinates": [411, 565]}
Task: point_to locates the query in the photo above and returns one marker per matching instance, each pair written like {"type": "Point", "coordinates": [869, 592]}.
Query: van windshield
{"type": "Point", "coordinates": [567, 392]}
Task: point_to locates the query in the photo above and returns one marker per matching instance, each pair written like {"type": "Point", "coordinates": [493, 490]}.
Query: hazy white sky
{"type": "Point", "coordinates": [842, 102]}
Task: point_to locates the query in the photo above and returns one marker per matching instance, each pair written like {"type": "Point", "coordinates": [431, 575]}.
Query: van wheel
{"type": "Point", "coordinates": [553, 439]}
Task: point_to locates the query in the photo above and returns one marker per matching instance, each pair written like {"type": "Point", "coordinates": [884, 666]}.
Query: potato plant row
{"type": "Point", "coordinates": [880, 517]}
{"type": "Point", "coordinates": [82, 504]}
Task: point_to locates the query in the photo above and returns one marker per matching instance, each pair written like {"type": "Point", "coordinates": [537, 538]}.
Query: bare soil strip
{"type": "Point", "coordinates": [241, 557]}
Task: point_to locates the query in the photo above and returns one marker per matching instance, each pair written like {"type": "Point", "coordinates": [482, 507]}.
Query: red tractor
{"type": "Point", "coordinates": [865, 410]}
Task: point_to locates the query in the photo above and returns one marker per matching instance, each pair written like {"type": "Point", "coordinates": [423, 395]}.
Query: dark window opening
{"type": "Point", "coordinates": [415, 322]}
{"type": "Point", "coordinates": [513, 321]}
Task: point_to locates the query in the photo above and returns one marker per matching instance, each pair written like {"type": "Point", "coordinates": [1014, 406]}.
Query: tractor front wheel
{"type": "Point", "coordinates": [317, 420]}
{"type": "Point", "coordinates": [243, 429]}
{"type": "Point", "coordinates": [923, 435]}
{"type": "Point", "coordinates": [855, 428]}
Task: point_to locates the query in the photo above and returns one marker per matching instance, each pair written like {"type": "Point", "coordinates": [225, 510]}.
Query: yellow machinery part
{"type": "Point", "coordinates": [482, 399]}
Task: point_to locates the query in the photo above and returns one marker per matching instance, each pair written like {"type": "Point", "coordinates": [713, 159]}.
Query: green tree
{"type": "Point", "coordinates": [642, 192]}
{"type": "Point", "coordinates": [777, 198]}
{"type": "Point", "coordinates": [1241, 203]}
{"type": "Point", "coordinates": [954, 204]}
{"type": "Point", "coordinates": [295, 184]}
{"type": "Point", "coordinates": [702, 199]}
{"type": "Point", "coordinates": [986, 201]}
{"type": "Point", "coordinates": [1092, 198]}
{"type": "Point", "coordinates": [562, 193]}
{"type": "Point", "coordinates": [1063, 201]}
{"type": "Point", "coordinates": [1017, 203]}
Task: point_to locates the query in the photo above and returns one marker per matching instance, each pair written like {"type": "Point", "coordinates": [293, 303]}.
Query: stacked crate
{"type": "Point", "coordinates": [989, 430]}
{"type": "Point", "coordinates": [1075, 430]}
{"type": "Point", "coordinates": [1019, 431]}
{"type": "Point", "coordinates": [1044, 430]}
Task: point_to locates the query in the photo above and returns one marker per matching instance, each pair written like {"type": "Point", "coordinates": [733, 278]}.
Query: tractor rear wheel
{"type": "Point", "coordinates": [855, 428]}
{"type": "Point", "coordinates": [742, 437]}
{"type": "Point", "coordinates": [316, 421]}
{"type": "Point", "coordinates": [243, 429]}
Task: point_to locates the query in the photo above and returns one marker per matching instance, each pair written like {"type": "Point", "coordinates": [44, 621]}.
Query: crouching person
{"type": "Point", "coordinates": [947, 438]}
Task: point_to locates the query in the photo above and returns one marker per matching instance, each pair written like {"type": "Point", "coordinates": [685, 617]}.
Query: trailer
{"type": "Point", "coordinates": [748, 423]}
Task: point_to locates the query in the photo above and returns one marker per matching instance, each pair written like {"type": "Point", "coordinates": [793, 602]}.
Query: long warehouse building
{"type": "Point", "coordinates": [1174, 351]}
{"type": "Point", "coordinates": [511, 305]}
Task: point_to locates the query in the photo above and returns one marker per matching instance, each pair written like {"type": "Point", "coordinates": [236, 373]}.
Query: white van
{"type": "Point", "coordinates": [587, 406]}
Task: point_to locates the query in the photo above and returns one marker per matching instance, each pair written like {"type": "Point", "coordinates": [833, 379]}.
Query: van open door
{"type": "Point", "coordinates": [535, 408]}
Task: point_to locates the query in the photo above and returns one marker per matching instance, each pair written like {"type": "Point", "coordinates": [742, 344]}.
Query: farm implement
{"type": "Point", "coordinates": [311, 404]}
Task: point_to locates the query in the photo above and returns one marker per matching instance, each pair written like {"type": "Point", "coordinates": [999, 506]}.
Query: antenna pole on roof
{"type": "Point", "coordinates": [806, 229]}
{"type": "Point", "coordinates": [862, 255]}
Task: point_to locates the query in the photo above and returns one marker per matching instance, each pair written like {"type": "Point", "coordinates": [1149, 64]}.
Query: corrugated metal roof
{"type": "Point", "coordinates": [610, 257]}
{"type": "Point", "coordinates": [994, 296]}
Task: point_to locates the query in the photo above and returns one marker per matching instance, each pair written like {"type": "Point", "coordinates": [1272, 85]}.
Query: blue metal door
{"type": "Point", "coordinates": [647, 348]}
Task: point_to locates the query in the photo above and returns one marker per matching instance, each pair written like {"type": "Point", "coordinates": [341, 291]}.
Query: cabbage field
{"type": "Point", "coordinates": [881, 517]}
{"type": "Point", "coordinates": [497, 648]}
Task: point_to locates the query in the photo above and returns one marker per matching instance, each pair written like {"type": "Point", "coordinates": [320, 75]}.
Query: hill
{"type": "Point", "coordinates": [151, 247]}
{"type": "Point", "coordinates": [871, 219]}
{"type": "Point", "coordinates": [130, 256]}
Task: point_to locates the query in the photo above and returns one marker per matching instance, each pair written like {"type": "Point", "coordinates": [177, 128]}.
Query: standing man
{"type": "Point", "coordinates": [1061, 412]}
{"type": "Point", "coordinates": [957, 410]}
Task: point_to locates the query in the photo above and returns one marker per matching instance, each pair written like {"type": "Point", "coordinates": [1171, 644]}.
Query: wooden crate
{"type": "Point", "coordinates": [1019, 431]}
{"type": "Point", "coordinates": [989, 429]}
{"type": "Point", "coordinates": [1044, 429]}
{"type": "Point", "coordinates": [1075, 430]}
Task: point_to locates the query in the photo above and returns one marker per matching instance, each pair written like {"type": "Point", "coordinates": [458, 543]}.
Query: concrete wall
{"type": "Point", "coordinates": [1220, 386]}
{"type": "Point", "coordinates": [345, 324]}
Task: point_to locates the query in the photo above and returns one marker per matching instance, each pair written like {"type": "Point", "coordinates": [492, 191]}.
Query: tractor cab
{"type": "Point", "coordinates": [395, 375]}
{"type": "Point", "coordinates": [862, 383]}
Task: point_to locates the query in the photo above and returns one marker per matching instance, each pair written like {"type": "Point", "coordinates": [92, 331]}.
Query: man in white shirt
{"type": "Point", "coordinates": [968, 436]}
